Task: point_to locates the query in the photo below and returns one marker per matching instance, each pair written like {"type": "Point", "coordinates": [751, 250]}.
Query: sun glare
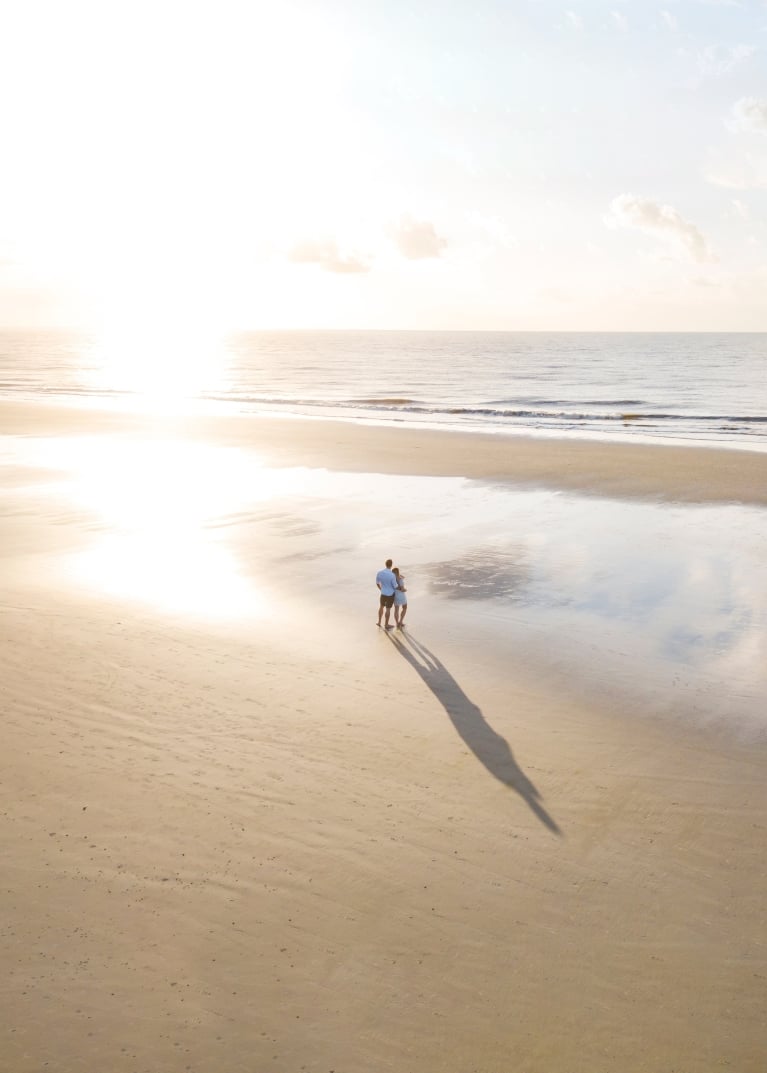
{"type": "Point", "coordinates": [160, 501]}
{"type": "Point", "coordinates": [171, 188]}
{"type": "Point", "coordinates": [161, 505]}
{"type": "Point", "coordinates": [161, 365]}
{"type": "Point", "coordinates": [179, 571]}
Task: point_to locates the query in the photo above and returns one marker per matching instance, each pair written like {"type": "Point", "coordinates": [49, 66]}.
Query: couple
{"type": "Point", "coordinates": [391, 585]}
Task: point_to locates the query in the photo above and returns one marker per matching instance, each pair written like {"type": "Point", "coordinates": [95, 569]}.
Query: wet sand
{"type": "Point", "coordinates": [680, 474]}
{"type": "Point", "coordinates": [268, 835]}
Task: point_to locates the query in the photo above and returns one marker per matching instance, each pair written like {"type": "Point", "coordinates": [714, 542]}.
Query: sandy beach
{"type": "Point", "coordinates": [246, 830]}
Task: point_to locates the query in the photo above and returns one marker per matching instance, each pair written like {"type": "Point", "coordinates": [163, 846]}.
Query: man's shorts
{"type": "Point", "coordinates": [387, 601]}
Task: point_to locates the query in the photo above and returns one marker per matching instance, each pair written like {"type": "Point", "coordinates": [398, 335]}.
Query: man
{"type": "Point", "coordinates": [387, 586]}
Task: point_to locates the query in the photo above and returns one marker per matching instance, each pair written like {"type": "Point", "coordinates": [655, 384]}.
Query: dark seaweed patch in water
{"type": "Point", "coordinates": [486, 574]}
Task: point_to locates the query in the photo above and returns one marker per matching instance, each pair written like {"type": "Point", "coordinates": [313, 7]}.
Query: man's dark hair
{"type": "Point", "coordinates": [388, 564]}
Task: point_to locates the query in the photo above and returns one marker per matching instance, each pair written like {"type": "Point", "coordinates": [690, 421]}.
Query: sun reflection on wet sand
{"type": "Point", "coordinates": [197, 578]}
{"type": "Point", "coordinates": [160, 500]}
{"type": "Point", "coordinates": [161, 504]}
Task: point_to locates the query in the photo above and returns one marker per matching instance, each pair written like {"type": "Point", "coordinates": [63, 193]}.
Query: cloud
{"type": "Point", "coordinates": [740, 167]}
{"type": "Point", "coordinates": [743, 164]}
{"type": "Point", "coordinates": [575, 21]}
{"type": "Point", "coordinates": [620, 20]}
{"type": "Point", "coordinates": [670, 20]}
{"type": "Point", "coordinates": [744, 173]}
{"type": "Point", "coordinates": [493, 226]}
{"type": "Point", "coordinates": [417, 239]}
{"type": "Point", "coordinates": [750, 113]}
{"type": "Point", "coordinates": [714, 61]}
{"type": "Point", "coordinates": [643, 214]}
{"type": "Point", "coordinates": [326, 254]}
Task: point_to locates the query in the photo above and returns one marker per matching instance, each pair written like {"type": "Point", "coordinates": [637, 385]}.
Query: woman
{"type": "Point", "coordinates": [400, 599]}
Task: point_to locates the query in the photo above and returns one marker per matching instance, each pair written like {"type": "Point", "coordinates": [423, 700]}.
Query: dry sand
{"type": "Point", "coordinates": [292, 843]}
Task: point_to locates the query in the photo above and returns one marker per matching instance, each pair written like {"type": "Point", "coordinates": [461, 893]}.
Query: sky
{"type": "Point", "coordinates": [442, 164]}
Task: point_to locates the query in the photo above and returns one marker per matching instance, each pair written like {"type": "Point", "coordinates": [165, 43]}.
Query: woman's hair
{"type": "Point", "coordinates": [395, 570]}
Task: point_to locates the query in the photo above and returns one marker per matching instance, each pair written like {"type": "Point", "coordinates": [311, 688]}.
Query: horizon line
{"type": "Point", "coordinates": [432, 331]}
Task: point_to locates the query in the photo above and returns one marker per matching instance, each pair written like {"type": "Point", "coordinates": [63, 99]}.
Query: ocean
{"type": "Point", "coordinates": [708, 388]}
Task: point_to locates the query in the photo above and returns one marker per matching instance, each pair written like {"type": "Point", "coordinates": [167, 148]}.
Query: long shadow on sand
{"type": "Point", "coordinates": [490, 748]}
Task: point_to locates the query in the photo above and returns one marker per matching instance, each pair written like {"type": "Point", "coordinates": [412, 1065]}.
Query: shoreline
{"type": "Point", "coordinates": [201, 408]}
{"type": "Point", "coordinates": [685, 474]}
